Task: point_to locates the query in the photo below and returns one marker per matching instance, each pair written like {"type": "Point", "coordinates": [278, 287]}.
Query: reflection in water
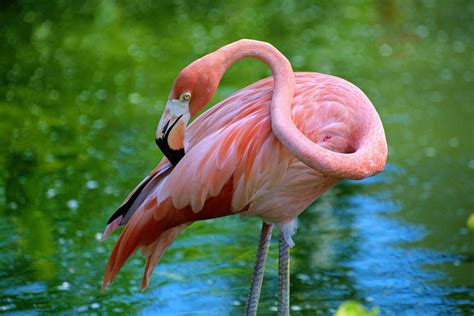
{"type": "Point", "coordinates": [81, 83]}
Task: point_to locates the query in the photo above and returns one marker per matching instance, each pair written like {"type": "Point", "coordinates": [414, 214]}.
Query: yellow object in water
{"type": "Point", "coordinates": [470, 222]}
{"type": "Point", "coordinates": [353, 308]}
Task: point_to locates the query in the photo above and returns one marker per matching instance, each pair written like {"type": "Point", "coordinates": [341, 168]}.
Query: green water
{"type": "Point", "coordinates": [82, 85]}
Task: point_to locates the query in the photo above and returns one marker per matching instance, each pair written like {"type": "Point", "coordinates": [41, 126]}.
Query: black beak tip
{"type": "Point", "coordinates": [174, 156]}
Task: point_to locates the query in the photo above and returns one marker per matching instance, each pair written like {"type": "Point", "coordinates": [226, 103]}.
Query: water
{"type": "Point", "coordinates": [82, 87]}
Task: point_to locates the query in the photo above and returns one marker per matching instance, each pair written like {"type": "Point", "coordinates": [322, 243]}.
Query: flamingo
{"type": "Point", "coordinates": [268, 150]}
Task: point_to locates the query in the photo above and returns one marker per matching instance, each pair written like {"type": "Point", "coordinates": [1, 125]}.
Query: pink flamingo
{"type": "Point", "coordinates": [268, 150]}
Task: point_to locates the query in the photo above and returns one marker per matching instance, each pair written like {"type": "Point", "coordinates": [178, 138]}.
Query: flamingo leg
{"type": "Point", "coordinates": [283, 277]}
{"type": "Point", "coordinates": [257, 277]}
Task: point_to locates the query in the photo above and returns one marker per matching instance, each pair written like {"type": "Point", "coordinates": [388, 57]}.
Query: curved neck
{"type": "Point", "coordinates": [284, 78]}
{"type": "Point", "coordinates": [366, 161]}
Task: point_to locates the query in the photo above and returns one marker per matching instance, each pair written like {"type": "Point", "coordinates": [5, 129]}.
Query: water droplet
{"type": "Point", "coordinates": [51, 193]}
{"type": "Point", "coordinates": [109, 190]}
{"type": "Point", "coordinates": [134, 98]}
{"type": "Point", "coordinates": [95, 305]}
{"type": "Point", "coordinates": [42, 32]}
{"type": "Point", "coordinates": [296, 308]}
{"type": "Point", "coordinates": [84, 96]}
{"type": "Point", "coordinates": [236, 303]}
{"type": "Point", "coordinates": [463, 231]}
{"type": "Point", "coordinates": [422, 31]}
{"type": "Point", "coordinates": [303, 277]}
{"type": "Point", "coordinates": [446, 74]}
{"type": "Point", "coordinates": [91, 184]}
{"type": "Point", "coordinates": [7, 307]}
{"type": "Point", "coordinates": [453, 142]}
{"type": "Point", "coordinates": [470, 164]}
{"type": "Point", "coordinates": [81, 309]}
{"type": "Point", "coordinates": [385, 50]}
{"type": "Point", "coordinates": [210, 281]}
{"type": "Point", "coordinates": [101, 94]}
{"type": "Point", "coordinates": [98, 124]}
{"type": "Point", "coordinates": [65, 286]}
{"type": "Point", "coordinates": [98, 236]}
{"type": "Point", "coordinates": [72, 204]}
{"type": "Point", "coordinates": [430, 152]}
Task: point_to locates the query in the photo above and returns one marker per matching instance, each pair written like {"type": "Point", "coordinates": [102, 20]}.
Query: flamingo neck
{"type": "Point", "coordinates": [366, 161]}
{"type": "Point", "coordinates": [284, 78]}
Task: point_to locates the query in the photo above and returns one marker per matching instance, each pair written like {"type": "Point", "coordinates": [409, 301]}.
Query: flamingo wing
{"type": "Point", "coordinates": [217, 177]}
{"type": "Point", "coordinates": [235, 139]}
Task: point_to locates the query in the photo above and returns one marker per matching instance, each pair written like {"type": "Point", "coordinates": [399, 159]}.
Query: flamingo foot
{"type": "Point", "coordinates": [257, 278]}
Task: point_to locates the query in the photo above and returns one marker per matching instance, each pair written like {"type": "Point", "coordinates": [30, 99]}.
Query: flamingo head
{"type": "Point", "coordinates": [192, 90]}
{"type": "Point", "coordinates": [171, 128]}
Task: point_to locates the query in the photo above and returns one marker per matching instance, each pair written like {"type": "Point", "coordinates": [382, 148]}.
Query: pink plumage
{"type": "Point", "coordinates": [240, 157]}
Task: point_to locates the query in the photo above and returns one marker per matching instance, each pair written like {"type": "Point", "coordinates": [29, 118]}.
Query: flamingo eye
{"type": "Point", "coordinates": [186, 96]}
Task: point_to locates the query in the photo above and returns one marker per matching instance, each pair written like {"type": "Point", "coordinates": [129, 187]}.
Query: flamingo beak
{"type": "Point", "coordinates": [171, 130]}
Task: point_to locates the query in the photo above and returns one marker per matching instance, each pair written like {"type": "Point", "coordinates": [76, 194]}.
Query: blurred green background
{"type": "Point", "coordinates": [82, 86]}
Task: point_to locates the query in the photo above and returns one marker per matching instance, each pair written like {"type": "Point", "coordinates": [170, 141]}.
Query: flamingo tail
{"type": "Point", "coordinates": [141, 232]}
{"type": "Point", "coordinates": [154, 251]}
